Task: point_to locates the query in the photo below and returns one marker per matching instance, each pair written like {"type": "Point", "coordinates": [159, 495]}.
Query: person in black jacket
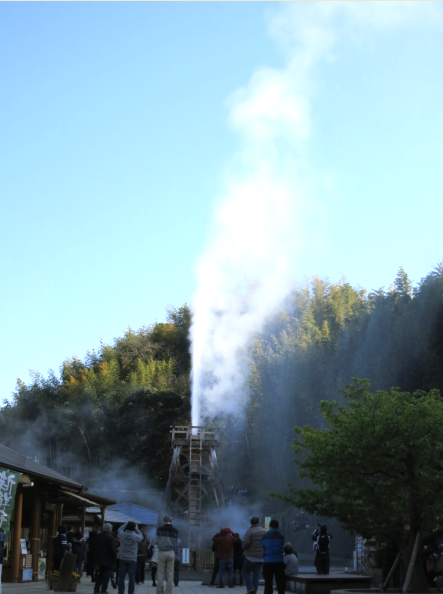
{"type": "Point", "coordinates": [79, 549]}
{"type": "Point", "coordinates": [105, 555]}
{"type": "Point", "coordinates": [59, 547]}
{"type": "Point", "coordinates": [239, 559]}
{"type": "Point", "coordinates": [322, 559]}
{"type": "Point", "coordinates": [216, 565]}
{"type": "Point", "coordinates": [90, 555]}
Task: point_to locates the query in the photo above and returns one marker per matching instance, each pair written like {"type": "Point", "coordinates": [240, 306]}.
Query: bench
{"type": "Point", "coordinates": [313, 583]}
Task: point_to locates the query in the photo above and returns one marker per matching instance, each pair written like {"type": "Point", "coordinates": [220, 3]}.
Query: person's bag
{"type": "Point", "coordinates": [323, 544]}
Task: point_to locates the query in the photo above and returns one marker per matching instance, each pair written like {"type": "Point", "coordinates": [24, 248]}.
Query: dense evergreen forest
{"type": "Point", "coordinates": [119, 402]}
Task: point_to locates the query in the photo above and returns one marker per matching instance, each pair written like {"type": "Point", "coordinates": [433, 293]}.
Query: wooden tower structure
{"type": "Point", "coordinates": [194, 480]}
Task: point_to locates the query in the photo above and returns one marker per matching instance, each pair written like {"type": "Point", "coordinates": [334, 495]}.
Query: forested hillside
{"type": "Point", "coordinates": [118, 403]}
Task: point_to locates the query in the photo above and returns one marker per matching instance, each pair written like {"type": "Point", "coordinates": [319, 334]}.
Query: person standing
{"type": "Point", "coordinates": [166, 540]}
{"type": "Point", "coordinates": [105, 555]}
{"type": "Point", "coordinates": [322, 560]}
{"type": "Point", "coordinates": [129, 536]}
{"type": "Point", "coordinates": [273, 559]}
{"type": "Point", "coordinates": [79, 549]}
{"type": "Point", "coordinates": [59, 547]}
{"type": "Point", "coordinates": [216, 565]}
{"type": "Point", "coordinates": [177, 562]}
{"type": "Point", "coordinates": [142, 551]}
{"type": "Point", "coordinates": [224, 541]}
{"type": "Point", "coordinates": [153, 561]}
{"type": "Point", "coordinates": [253, 555]}
{"type": "Point", "coordinates": [90, 555]}
{"type": "Point", "coordinates": [239, 559]}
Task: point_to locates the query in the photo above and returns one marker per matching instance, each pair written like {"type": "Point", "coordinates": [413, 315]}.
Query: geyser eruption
{"type": "Point", "coordinates": [245, 273]}
{"type": "Point", "coordinates": [229, 307]}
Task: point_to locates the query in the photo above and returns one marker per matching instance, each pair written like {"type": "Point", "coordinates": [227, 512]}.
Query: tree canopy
{"type": "Point", "coordinates": [378, 466]}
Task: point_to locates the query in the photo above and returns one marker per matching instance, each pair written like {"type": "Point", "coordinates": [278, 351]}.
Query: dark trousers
{"type": "Point", "coordinates": [153, 574]}
{"type": "Point", "coordinates": [226, 565]}
{"type": "Point", "coordinates": [140, 572]}
{"type": "Point", "coordinates": [238, 566]}
{"type": "Point", "coordinates": [126, 567]}
{"type": "Point", "coordinates": [322, 563]}
{"type": "Point", "coordinates": [176, 572]}
{"type": "Point", "coordinates": [56, 563]}
{"type": "Point", "coordinates": [102, 579]}
{"type": "Point", "coordinates": [278, 570]}
{"type": "Point", "coordinates": [78, 566]}
{"type": "Point", "coordinates": [248, 567]}
{"type": "Point", "coordinates": [215, 571]}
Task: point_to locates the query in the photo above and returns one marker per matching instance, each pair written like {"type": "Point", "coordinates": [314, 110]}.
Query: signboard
{"type": "Point", "coordinates": [42, 568]}
{"type": "Point", "coordinates": [23, 546]}
{"type": "Point", "coordinates": [27, 575]}
{"type": "Point", "coordinates": [355, 560]}
{"type": "Point", "coordinates": [267, 521]}
{"type": "Point", "coordinates": [185, 556]}
{"type": "Point", "coordinates": [8, 489]}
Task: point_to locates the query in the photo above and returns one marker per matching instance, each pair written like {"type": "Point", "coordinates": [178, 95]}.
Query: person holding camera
{"type": "Point", "coordinates": [129, 536]}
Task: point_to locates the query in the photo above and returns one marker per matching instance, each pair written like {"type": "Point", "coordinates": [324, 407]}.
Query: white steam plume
{"type": "Point", "coordinates": [245, 274]}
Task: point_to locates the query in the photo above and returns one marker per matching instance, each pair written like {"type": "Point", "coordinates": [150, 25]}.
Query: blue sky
{"type": "Point", "coordinates": [117, 141]}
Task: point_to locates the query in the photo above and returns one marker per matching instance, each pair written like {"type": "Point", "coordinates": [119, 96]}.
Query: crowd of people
{"type": "Point", "coordinates": [109, 557]}
{"type": "Point", "coordinates": [260, 551]}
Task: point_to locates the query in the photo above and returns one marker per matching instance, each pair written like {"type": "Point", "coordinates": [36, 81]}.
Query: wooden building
{"type": "Point", "coordinates": [43, 498]}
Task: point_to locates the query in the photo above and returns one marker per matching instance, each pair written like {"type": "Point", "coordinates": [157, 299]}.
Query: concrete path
{"type": "Point", "coordinates": [88, 588]}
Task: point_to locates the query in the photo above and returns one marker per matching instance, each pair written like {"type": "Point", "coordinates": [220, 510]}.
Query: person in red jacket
{"type": "Point", "coordinates": [224, 541]}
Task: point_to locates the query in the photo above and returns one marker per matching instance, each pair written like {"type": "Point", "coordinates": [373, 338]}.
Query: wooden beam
{"type": "Point", "coordinates": [16, 548]}
{"type": "Point", "coordinates": [83, 520]}
{"type": "Point", "coordinates": [35, 539]}
{"type": "Point", "coordinates": [51, 535]}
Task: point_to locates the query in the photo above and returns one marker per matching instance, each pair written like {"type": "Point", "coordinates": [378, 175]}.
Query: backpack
{"type": "Point", "coordinates": [323, 544]}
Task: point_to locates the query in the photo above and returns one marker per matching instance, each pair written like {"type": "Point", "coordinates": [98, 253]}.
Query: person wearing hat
{"type": "Point", "coordinates": [167, 541]}
{"type": "Point", "coordinates": [105, 555]}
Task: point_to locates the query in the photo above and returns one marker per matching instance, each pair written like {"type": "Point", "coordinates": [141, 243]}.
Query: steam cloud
{"type": "Point", "coordinates": [245, 274]}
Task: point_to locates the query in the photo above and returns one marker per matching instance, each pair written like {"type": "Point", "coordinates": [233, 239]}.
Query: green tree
{"type": "Point", "coordinates": [377, 468]}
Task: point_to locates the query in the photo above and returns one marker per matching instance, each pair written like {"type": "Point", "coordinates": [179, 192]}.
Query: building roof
{"type": "Point", "coordinates": [112, 516]}
{"type": "Point", "coordinates": [142, 515]}
{"type": "Point", "coordinates": [98, 499]}
{"type": "Point", "coordinates": [15, 461]}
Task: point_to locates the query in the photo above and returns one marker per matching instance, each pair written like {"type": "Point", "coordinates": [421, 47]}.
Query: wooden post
{"type": "Point", "coordinates": [16, 548]}
{"type": "Point", "coordinates": [391, 572]}
{"type": "Point", "coordinates": [35, 539]}
{"type": "Point", "coordinates": [59, 514]}
{"type": "Point", "coordinates": [83, 521]}
{"type": "Point", "coordinates": [411, 563]}
{"type": "Point", "coordinates": [51, 535]}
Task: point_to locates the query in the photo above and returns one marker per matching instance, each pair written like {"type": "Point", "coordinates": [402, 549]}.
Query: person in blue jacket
{"type": "Point", "coordinates": [273, 559]}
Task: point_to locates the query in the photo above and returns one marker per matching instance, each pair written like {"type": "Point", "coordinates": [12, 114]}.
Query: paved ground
{"type": "Point", "coordinates": [88, 588]}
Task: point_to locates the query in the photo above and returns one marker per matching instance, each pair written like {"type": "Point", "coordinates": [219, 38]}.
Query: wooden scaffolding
{"type": "Point", "coordinates": [194, 480]}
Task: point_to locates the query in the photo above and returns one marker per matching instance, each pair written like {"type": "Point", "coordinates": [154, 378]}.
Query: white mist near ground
{"type": "Point", "coordinates": [250, 261]}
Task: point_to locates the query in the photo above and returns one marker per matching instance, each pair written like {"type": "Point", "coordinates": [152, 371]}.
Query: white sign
{"type": "Point", "coordinates": [23, 546]}
{"type": "Point", "coordinates": [267, 522]}
{"type": "Point", "coordinates": [185, 556]}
